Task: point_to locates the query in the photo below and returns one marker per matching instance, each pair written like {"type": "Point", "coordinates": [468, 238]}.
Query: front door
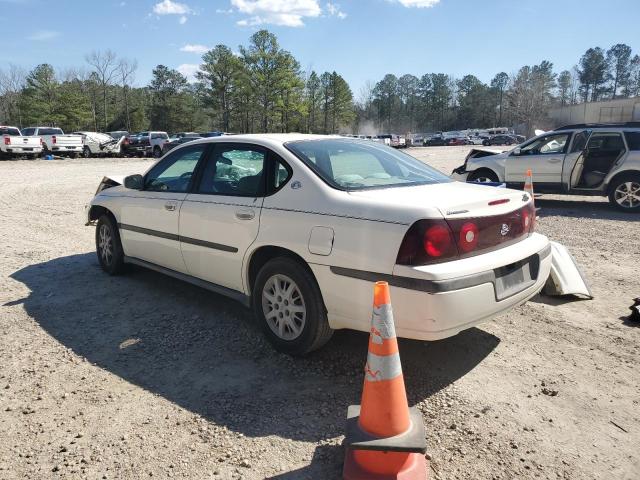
{"type": "Point", "coordinates": [220, 219]}
{"type": "Point", "coordinates": [149, 218]}
{"type": "Point", "coordinates": [544, 156]}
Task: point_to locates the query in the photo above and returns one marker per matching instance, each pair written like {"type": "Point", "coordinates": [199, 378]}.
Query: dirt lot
{"type": "Point", "coordinates": [143, 376]}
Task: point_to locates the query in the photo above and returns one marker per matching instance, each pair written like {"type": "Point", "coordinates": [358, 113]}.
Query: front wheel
{"type": "Point", "coordinates": [108, 246]}
{"type": "Point", "coordinates": [289, 307]}
{"type": "Point", "coordinates": [624, 193]}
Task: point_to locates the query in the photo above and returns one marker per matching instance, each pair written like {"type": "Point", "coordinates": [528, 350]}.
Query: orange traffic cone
{"type": "Point", "coordinates": [385, 439]}
{"type": "Point", "coordinates": [528, 185]}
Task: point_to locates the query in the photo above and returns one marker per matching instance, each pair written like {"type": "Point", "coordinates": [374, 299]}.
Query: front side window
{"type": "Point", "coordinates": [174, 173]}
{"type": "Point", "coordinates": [235, 170]}
{"type": "Point", "coordinates": [356, 165]}
{"type": "Point", "coordinates": [547, 145]}
{"type": "Point", "coordinates": [633, 140]}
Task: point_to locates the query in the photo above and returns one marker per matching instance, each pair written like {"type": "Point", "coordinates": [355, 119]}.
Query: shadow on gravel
{"type": "Point", "coordinates": [601, 210]}
{"type": "Point", "coordinates": [203, 352]}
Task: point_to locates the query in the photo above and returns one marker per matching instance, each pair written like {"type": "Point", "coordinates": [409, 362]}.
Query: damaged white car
{"type": "Point", "coordinates": [299, 227]}
{"type": "Point", "coordinates": [585, 159]}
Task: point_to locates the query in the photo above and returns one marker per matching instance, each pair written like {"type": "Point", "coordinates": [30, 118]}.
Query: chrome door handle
{"type": "Point", "coordinates": [245, 214]}
{"type": "Point", "coordinates": [170, 206]}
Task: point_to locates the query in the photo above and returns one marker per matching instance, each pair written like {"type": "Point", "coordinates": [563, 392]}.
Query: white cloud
{"type": "Point", "coordinates": [418, 3]}
{"type": "Point", "coordinates": [194, 48]}
{"type": "Point", "coordinates": [189, 70]}
{"type": "Point", "coordinates": [333, 9]}
{"type": "Point", "coordinates": [183, 20]}
{"type": "Point", "coordinates": [167, 7]}
{"type": "Point", "coordinates": [43, 35]}
{"type": "Point", "coordinates": [288, 13]}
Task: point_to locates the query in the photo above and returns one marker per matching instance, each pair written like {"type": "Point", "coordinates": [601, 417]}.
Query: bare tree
{"type": "Point", "coordinates": [105, 65]}
{"type": "Point", "coordinates": [126, 72]}
{"type": "Point", "coordinates": [12, 82]}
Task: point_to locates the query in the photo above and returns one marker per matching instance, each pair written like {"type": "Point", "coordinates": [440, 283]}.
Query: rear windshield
{"type": "Point", "coordinates": [357, 165]}
{"type": "Point", "coordinates": [633, 140]}
{"type": "Point", "coordinates": [49, 131]}
{"type": "Point", "coordinates": [12, 132]}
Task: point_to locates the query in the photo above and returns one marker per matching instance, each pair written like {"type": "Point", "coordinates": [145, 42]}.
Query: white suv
{"type": "Point", "coordinates": [584, 159]}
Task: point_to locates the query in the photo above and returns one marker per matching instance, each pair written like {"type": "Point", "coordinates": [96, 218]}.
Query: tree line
{"type": "Point", "coordinates": [439, 102]}
{"type": "Point", "coordinates": [262, 88]}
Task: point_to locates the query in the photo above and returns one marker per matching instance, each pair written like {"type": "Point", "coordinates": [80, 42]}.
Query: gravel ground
{"type": "Point", "coordinates": [143, 376]}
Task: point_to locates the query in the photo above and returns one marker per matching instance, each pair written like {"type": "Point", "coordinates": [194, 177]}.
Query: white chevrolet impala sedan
{"type": "Point", "coordinates": [299, 227]}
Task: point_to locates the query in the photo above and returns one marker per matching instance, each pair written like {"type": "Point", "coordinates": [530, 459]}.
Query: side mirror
{"type": "Point", "coordinates": [516, 151]}
{"type": "Point", "coordinates": [134, 182]}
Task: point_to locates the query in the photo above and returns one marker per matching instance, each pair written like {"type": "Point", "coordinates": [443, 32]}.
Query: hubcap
{"type": "Point", "coordinates": [283, 307]}
{"type": "Point", "coordinates": [627, 194]}
{"type": "Point", "coordinates": [105, 244]}
{"type": "Point", "coordinates": [483, 180]}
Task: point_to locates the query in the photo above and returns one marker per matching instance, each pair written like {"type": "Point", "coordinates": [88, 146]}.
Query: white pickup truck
{"type": "Point", "coordinates": [13, 143]}
{"type": "Point", "coordinates": [55, 141]}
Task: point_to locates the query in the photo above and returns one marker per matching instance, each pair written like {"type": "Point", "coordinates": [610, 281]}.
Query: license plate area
{"type": "Point", "coordinates": [516, 277]}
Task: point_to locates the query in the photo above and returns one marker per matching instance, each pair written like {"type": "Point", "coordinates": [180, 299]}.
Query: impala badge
{"type": "Point", "coordinates": [504, 230]}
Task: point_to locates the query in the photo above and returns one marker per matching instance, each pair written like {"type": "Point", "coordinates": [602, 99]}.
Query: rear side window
{"type": "Point", "coordinates": [234, 170]}
{"type": "Point", "coordinates": [633, 140]}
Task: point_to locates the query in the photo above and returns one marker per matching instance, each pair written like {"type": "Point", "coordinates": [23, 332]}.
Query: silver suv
{"type": "Point", "coordinates": [583, 159]}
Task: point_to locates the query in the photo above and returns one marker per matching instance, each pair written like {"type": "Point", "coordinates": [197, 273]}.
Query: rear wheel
{"type": "Point", "coordinates": [289, 307]}
{"type": "Point", "coordinates": [86, 152]}
{"type": "Point", "coordinates": [624, 193]}
{"type": "Point", "coordinates": [483, 176]}
{"type": "Point", "coordinates": [108, 246]}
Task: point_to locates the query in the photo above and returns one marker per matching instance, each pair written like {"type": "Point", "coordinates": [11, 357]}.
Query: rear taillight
{"type": "Point", "coordinates": [435, 241]}
{"type": "Point", "coordinates": [41, 142]}
{"type": "Point", "coordinates": [54, 139]}
{"type": "Point", "coordinates": [7, 141]}
{"type": "Point", "coordinates": [427, 241]}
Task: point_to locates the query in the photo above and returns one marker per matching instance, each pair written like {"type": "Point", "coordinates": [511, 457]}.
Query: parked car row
{"type": "Point", "coordinates": [33, 142]}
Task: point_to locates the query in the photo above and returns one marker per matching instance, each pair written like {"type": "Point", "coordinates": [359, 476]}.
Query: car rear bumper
{"type": "Point", "coordinates": [67, 148]}
{"type": "Point", "coordinates": [23, 150]}
{"type": "Point", "coordinates": [431, 303]}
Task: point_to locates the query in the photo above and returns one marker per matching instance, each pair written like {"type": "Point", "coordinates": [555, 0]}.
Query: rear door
{"type": "Point", "coordinates": [220, 219]}
{"type": "Point", "coordinates": [544, 156]}
{"type": "Point", "coordinates": [149, 218]}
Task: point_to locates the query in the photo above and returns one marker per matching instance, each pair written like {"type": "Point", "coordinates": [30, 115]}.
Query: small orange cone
{"type": "Point", "coordinates": [528, 185]}
{"type": "Point", "coordinates": [385, 439]}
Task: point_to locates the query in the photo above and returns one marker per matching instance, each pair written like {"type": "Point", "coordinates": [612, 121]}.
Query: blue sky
{"type": "Point", "coordinates": [361, 39]}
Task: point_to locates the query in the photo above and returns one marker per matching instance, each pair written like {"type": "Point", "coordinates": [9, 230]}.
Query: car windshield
{"type": "Point", "coordinates": [358, 165]}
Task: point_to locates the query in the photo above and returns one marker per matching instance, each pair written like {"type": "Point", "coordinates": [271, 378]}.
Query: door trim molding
{"type": "Point", "coordinates": [178, 238]}
{"type": "Point", "coordinates": [213, 287]}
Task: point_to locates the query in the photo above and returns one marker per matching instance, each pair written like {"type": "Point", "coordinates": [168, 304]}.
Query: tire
{"type": "Point", "coordinates": [86, 152]}
{"type": "Point", "coordinates": [312, 327]}
{"type": "Point", "coordinates": [107, 231]}
{"type": "Point", "coordinates": [483, 176]}
{"type": "Point", "coordinates": [74, 155]}
{"type": "Point", "coordinates": [157, 153]}
{"type": "Point", "coordinates": [624, 193]}
{"type": "Point", "coordinates": [485, 143]}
